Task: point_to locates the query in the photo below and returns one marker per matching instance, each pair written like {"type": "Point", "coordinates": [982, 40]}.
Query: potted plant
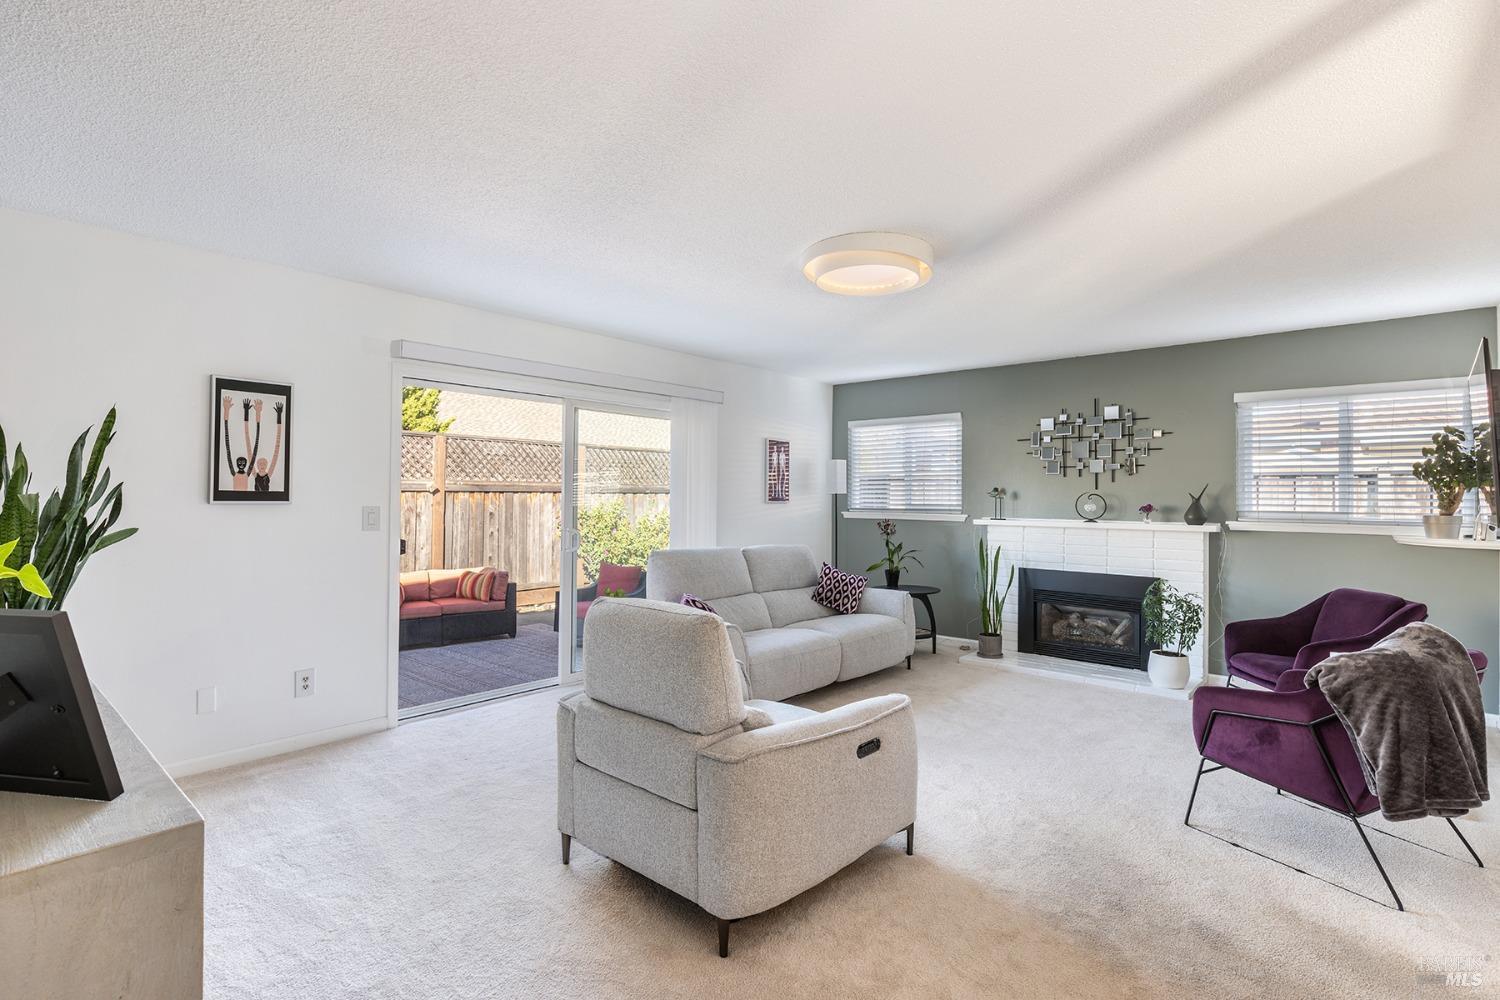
{"type": "Point", "coordinates": [1173, 621]}
{"type": "Point", "coordinates": [50, 542]}
{"type": "Point", "coordinates": [1450, 470]}
{"type": "Point", "coordinates": [1146, 510]}
{"type": "Point", "coordinates": [896, 555]}
{"type": "Point", "coordinates": [992, 601]}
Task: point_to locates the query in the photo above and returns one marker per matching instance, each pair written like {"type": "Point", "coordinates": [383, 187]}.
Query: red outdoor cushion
{"type": "Point", "coordinates": [461, 605]}
{"type": "Point", "coordinates": [414, 586]}
{"type": "Point", "coordinates": [613, 578]}
{"type": "Point", "coordinates": [583, 608]}
{"type": "Point", "coordinates": [443, 582]}
{"type": "Point", "coordinates": [498, 588]}
{"type": "Point", "coordinates": [420, 609]}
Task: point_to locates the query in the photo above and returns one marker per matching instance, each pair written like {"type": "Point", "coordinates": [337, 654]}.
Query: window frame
{"type": "Point", "coordinates": [908, 513]}
{"type": "Point", "coordinates": [1343, 397]}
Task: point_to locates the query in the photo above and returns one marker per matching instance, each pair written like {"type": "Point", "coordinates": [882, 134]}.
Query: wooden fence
{"type": "Point", "coordinates": [464, 513]}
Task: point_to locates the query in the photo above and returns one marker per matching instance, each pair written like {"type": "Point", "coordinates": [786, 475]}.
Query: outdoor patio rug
{"type": "Point", "coordinates": [442, 672]}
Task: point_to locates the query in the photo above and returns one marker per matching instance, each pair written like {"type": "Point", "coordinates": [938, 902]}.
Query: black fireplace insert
{"type": "Point", "coordinates": [1090, 617]}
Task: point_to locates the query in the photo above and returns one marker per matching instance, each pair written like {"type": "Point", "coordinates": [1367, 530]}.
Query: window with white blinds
{"type": "Point", "coordinates": [907, 464]}
{"type": "Point", "coordinates": [1346, 454]}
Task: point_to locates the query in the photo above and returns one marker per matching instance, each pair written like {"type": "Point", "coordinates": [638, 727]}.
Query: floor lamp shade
{"type": "Point", "coordinates": [838, 476]}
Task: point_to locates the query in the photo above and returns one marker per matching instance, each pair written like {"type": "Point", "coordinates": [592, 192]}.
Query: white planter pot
{"type": "Point", "coordinates": [1167, 670]}
{"type": "Point", "coordinates": [1442, 525]}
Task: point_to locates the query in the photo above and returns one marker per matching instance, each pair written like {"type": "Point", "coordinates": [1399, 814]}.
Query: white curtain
{"type": "Point", "coordinates": [695, 473]}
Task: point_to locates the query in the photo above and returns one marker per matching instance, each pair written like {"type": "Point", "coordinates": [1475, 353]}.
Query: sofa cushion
{"type": "Point", "coordinates": [839, 591]}
{"type": "Point", "coordinates": [420, 609]}
{"type": "Point", "coordinates": [461, 605]}
{"type": "Point", "coordinates": [443, 582]}
{"type": "Point", "coordinates": [785, 661]}
{"type": "Point", "coordinates": [748, 611]}
{"type": "Point", "coordinates": [709, 573]}
{"type": "Point", "coordinates": [659, 758]}
{"type": "Point", "coordinates": [663, 661]}
{"type": "Point", "coordinates": [499, 587]}
{"type": "Point", "coordinates": [414, 586]}
{"type": "Point", "coordinates": [787, 606]}
{"type": "Point", "coordinates": [617, 581]}
{"type": "Point", "coordinates": [475, 584]}
{"type": "Point", "coordinates": [780, 567]}
{"type": "Point", "coordinates": [1264, 668]}
{"type": "Point", "coordinates": [867, 643]}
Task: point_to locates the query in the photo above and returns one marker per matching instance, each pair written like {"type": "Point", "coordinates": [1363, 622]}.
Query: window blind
{"type": "Point", "coordinates": [907, 464]}
{"type": "Point", "coordinates": [1346, 454]}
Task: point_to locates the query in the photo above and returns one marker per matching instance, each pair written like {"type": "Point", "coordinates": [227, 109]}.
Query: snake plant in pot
{"type": "Point", "coordinates": [44, 546]}
{"type": "Point", "coordinates": [992, 601]}
{"type": "Point", "coordinates": [1173, 621]}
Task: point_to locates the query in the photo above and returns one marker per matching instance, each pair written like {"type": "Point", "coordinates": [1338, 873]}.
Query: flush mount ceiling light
{"type": "Point", "coordinates": [868, 263]}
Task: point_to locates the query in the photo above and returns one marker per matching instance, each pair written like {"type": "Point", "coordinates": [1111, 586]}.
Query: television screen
{"type": "Point", "coordinates": [52, 740]}
{"type": "Point", "coordinates": [1484, 384]}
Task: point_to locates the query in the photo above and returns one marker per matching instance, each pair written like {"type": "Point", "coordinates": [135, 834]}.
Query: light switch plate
{"type": "Point", "coordinates": [208, 700]}
{"type": "Point", "coordinates": [370, 518]}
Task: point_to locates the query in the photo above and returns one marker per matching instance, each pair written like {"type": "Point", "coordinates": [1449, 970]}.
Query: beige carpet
{"type": "Point", "coordinates": [1051, 862]}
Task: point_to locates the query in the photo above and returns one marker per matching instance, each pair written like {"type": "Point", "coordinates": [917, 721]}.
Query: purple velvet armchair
{"type": "Point", "coordinates": [1290, 739]}
{"type": "Point", "coordinates": [1341, 621]}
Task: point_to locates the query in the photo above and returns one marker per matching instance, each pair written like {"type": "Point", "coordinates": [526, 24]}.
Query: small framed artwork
{"type": "Point", "coordinates": [1112, 412]}
{"type": "Point", "coordinates": [251, 436]}
{"type": "Point", "coordinates": [1052, 469]}
{"type": "Point", "coordinates": [1063, 430]}
{"type": "Point", "coordinates": [1096, 465]}
{"type": "Point", "coordinates": [778, 471]}
{"type": "Point", "coordinates": [1048, 454]}
{"type": "Point", "coordinates": [1047, 423]}
{"type": "Point", "coordinates": [1113, 430]}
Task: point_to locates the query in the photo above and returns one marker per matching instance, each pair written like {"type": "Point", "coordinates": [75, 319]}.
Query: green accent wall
{"type": "Point", "coordinates": [1189, 391]}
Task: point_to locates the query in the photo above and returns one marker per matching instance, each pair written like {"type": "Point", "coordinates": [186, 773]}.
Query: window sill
{"type": "Point", "coordinates": [902, 515]}
{"type": "Point", "coordinates": [1325, 528]}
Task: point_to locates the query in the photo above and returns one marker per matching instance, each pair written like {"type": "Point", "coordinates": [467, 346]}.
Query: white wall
{"type": "Point", "coordinates": [240, 596]}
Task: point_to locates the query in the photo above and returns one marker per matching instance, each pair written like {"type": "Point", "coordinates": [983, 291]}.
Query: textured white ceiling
{"type": "Point", "coordinates": [1093, 176]}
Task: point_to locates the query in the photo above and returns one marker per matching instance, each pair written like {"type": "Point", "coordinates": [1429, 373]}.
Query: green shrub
{"type": "Point", "coordinates": [606, 535]}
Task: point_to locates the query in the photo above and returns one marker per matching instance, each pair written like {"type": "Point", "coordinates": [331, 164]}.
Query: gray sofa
{"type": "Point", "coordinates": [738, 806]}
{"type": "Point", "coordinates": [786, 643]}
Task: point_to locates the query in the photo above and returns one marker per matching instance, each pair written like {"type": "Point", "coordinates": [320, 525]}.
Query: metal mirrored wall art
{"type": "Point", "coordinates": [1110, 440]}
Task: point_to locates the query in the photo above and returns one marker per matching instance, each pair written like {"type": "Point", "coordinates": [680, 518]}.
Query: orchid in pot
{"type": "Point", "coordinates": [897, 555]}
{"type": "Point", "coordinates": [1146, 510]}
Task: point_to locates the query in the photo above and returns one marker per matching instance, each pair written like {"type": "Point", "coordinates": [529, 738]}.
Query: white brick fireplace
{"type": "Point", "coordinates": [1177, 553]}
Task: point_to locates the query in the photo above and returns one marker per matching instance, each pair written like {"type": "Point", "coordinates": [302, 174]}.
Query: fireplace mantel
{"type": "Point", "coordinates": [1075, 522]}
{"type": "Point", "coordinates": [1175, 552]}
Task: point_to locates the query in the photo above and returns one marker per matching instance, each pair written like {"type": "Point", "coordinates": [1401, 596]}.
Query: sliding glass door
{"type": "Point", "coordinates": [617, 507]}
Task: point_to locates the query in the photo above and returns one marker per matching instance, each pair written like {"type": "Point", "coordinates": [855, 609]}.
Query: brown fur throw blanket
{"type": "Point", "coordinates": [1411, 704]}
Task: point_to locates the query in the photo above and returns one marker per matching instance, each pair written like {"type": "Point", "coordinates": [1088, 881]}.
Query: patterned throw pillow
{"type": "Point", "coordinates": [475, 584]}
{"type": "Point", "coordinates": [838, 590]}
{"type": "Point", "coordinates": [697, 602]}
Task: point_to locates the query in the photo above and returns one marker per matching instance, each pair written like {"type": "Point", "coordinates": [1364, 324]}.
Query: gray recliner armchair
{"type": "Point", "coordinates": [735, 805]}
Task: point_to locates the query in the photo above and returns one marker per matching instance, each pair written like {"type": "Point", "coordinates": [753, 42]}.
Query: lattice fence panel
{"type": "Point", "coordinates": [416, 456]}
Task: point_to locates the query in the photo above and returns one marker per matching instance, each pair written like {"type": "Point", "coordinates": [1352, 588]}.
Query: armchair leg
{"type": "Point", "coordinates": [1472, 853]}
{"type": "Point", "coordinates": [567, 843]}
{"type": "Point", "coordinates": [908, 663]}
{"type": "Point", "coordinates": [911, 833]}
{"type": "Point", "coordinates": [723, 938]}
{"type": "Point", "coordinates": [1376, 858]}
{"type": "Point", "coordinates": [1194, 796]}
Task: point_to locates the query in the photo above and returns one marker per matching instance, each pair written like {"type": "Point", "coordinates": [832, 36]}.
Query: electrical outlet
{"type": "Point", "coordinates": [303, 684]}
{"type": "Point", "coordinates": [208, 700]}
{"type": "Point", "coordinates": [370, 518]}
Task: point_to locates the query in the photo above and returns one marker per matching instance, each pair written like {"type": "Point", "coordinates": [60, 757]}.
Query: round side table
{"type": "Point", "coordinates": [922, 594]}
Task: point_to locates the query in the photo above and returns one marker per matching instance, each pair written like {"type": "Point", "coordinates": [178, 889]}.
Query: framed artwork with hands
{"type": "Point", "coordinates": [251, 460]}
